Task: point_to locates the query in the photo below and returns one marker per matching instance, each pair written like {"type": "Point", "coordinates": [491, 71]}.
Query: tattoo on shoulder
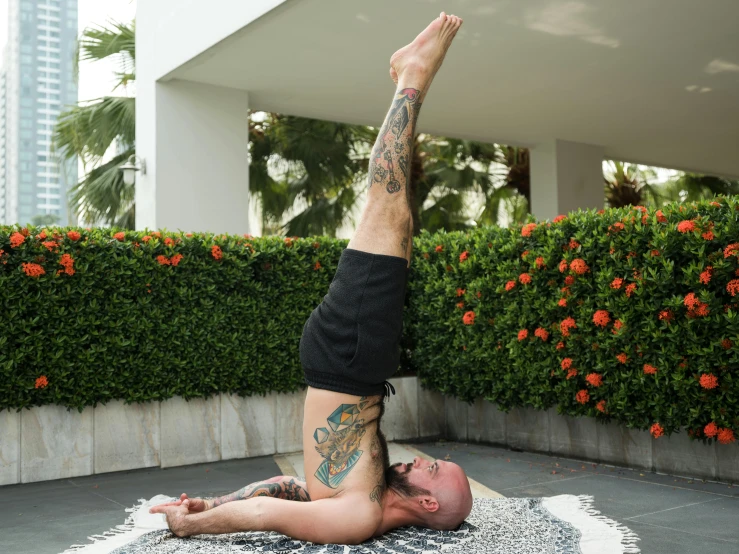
{"type": "Point", "coordinates": [376, 494]}
{"type": "Point", "coordinates": [338, 443]}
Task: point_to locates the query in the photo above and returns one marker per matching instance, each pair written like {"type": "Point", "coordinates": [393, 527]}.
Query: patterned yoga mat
{"type": "Point", "coordinates": [563, 524]}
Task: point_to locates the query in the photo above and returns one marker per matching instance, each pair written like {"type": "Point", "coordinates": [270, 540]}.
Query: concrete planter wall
{"type": "Point", "coordinates": [586, 439]}
{"type": "Point", "coordinates": [50, 442]}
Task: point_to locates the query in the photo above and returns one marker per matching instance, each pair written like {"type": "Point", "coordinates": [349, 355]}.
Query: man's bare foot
{"type": "Point", "coordinates": [416, 64]}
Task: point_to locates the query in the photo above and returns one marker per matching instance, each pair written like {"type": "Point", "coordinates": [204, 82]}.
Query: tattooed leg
{"type": "Point", "coordinates": [386, 225]}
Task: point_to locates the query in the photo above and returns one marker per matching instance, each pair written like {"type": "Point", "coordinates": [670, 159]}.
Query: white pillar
{"type": "Point", "coordinates": [194, 139]}
{"type": "Point", "coordinates": [566, 176]}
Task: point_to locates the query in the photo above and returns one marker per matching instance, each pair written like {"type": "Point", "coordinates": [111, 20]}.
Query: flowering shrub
{"type": "Point", "coordinates": [640, 307]}
{"type": "Point", "coordinates": [590, 319]}
{"type": "Point", "coordinates": [92, 316]}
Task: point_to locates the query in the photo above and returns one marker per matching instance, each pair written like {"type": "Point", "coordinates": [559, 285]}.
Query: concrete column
{"type": "Point", "coordinates": [566, 176]}
{"type": "Point", "coordinates": [194, 139]}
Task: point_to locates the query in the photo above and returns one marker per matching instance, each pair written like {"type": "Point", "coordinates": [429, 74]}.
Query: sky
{"type": "Point", "coordinates": [96, 79]}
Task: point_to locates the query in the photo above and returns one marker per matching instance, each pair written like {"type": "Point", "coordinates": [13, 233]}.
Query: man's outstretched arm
{"type": "Point", "coordinates": [329, 520]}
{"type": "Point", "coordinates": [283, 486]}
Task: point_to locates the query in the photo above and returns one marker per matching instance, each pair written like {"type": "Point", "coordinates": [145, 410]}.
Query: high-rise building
{"type": "Point", "coordinates": [37, 83]}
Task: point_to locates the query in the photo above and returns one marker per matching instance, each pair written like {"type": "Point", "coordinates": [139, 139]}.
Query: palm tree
{"type": "Point", "coordinates": [308, 175]}
{"type": "Point", "coordinates": [90, 130]}
{"type": "Point", "coordinates": [627, 184]}
{"type": "Point", "coordinates": [691, 187]}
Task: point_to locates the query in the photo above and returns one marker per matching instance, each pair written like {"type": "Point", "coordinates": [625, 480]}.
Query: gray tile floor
{"type": "Point", "coordinates": [671, 515]}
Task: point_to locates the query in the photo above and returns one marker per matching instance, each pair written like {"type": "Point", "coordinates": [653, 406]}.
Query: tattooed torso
{"type": "Point", "coordinates": [344, 449]}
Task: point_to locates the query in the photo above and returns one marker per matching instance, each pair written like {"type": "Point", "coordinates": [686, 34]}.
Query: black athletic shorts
{"type": "Point", "coordinates": [351, 341]}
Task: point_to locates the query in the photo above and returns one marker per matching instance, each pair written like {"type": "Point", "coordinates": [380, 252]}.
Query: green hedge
{"type": "Point", "coordinates": [517, 353]}
{"type": "Point", "coordinates": [129, 319]}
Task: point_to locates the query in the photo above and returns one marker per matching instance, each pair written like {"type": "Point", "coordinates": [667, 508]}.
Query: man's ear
{"type": "Point", "coordinates": [429, 503]}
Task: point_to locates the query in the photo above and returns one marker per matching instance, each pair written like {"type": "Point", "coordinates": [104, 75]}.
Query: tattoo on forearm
{"type": "Point", "coordinates": [338, 444]}
{"type": "Point", "coordinates": [389, 162]}
{"type": "Point", "coordinates": [287, 489]}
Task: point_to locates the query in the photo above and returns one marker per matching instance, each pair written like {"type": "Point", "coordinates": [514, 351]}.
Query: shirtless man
{"type": "Point", "coordinates": [350, 346]}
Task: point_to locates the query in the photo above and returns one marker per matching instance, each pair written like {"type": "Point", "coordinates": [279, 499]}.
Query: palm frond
{"type": "Point", "coordinates": [88, 130]}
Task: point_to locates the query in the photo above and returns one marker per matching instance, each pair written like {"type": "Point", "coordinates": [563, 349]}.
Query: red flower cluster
{"type": "Point", "coordinates": [522, 334]}
{"type": "Point", "coordinates": [156, 234]}
{"type": "Point", "coordinates": [571, 373]}
{"type": "Point", "coordinates": [686, 226]}
{"type": "Point", "coordinates": [706, 275]}
{"type": "Point", "coordinates": [216, 252]}
{"type": "Point", "coordinates": [460, 292]}
{"type": "Point", "coordinates": [666, 315]}
{"type": "Point", "coordinates": [524, 254]}
{"type": "Point", "coordinates": [563, 266]}
{"type": "Point", "coordinates": [146, 238]}
{"type": "Point", "coordinates": [733, 287]}
{"type": "Point", "coordinates": [542, 333]}
{"type": "Point", "coordinates": [726, 436]}
{"type": "Point", "coordinates": [570, 280]}
{"type": "Point", "coordinates": [560, 345]}
{"type": "Point", "coordinates": [463, 256]}
{"type": "Point", "coordinates": [176, 259]}
{"type": "Point", "coordinates": [616, 283]}
{"type": "Point", "coordinates": [566, 325]}
{"type": "Point", "coordinates": [711, 430]}
{"type": "Point", "coordinates": [50, 245]}
{"type": "Point", "coordinates": [696, 308]}
{"type": "Point", "coordinates": [74, 235]}
{"type": "Point", "coordinates": [617, 326]}
{"type": "Point", "coordinates": [316, 266]}
{"type": "Point", "coordinates": [41, 235]}
{"type": "Point", "coordinates": [559, 218]}
{"type": "Point", "coordinates": [601, 318]}
{"type": "Point", "coordinates": [582, 396]}
{"type": "Point", "coordinates": [163, 260]}
{"type": "Point", "coordinates": [527, 229]}
{"type": "Point", "coordinates": [579, 266]}
{"type": "Point", "coordinates": [595, 379]}
{"type": "Point", "coordinates": [573, 244]}
{"type": "Point", "coordinates": [33, 270]}
{"type": "Point", "coordinates": [661, 217]}
{"type": "Point", "coordinates": [601, 406]}
{"type": "Point", "coordinates": [539, 262]}
{"type": "Point", "coordinates": [630, 288]}
{"type": "Point", "coordinates": [622, 357]}
{"type": "Point", "coordinates": [510, 285]}
{"type": "Point", "coordinates": [709, 381]}
{"type": "Point", "coordinates": [42, 382]}
{"type": "Point", "coordinates": [657, 430]}
{"type": "Point", "coordinates": [469, 318]}
{"type": "Point", "coordinates": [616, 227]}
{"type": "Point", "coordinates": [16, 239]}
{"type": "Point", "coordinates": [168, 242]}
{"type": "Point", "coordinates": [726, 344]}
{"type": "Point", "coordinates": [438, 248]}
{"type": "Point", "coordinates": [562, 302]}
{"type": "Point", "coordinates": [460, 305]}
{"type": "Point", "coordinates": [566, 363]}
{"type": "Point", "coordinates": [525, 278]}
{"type": "Point", "coordinates": [120, 236]}
{"type": "Point", "coordinates": [708, 235]}
{"type": "Point", "coordinates": [67, 262]}
{"type": "Point", "coordinates": [731, 250]}
{"type": "Point", "coordinates": [649, 369]}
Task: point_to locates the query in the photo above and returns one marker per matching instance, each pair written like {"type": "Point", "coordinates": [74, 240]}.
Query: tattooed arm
{"type": "Point", "coordinates": [283, 487]}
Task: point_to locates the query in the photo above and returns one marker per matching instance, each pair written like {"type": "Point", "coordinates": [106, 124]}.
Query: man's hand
{"type": "Point", "coordinates": [194, 505]}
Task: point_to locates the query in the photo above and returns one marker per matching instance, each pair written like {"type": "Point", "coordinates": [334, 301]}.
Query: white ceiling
{"type": "Point", "coordinates": [653, 81]}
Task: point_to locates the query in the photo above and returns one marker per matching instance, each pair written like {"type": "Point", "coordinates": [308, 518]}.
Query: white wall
{"type": "Point", "coordinates": [566, 176]}
{"type": "Point", "coordinates": [196, 150]}
{"type": "Point", "coordinates": [172, 32]}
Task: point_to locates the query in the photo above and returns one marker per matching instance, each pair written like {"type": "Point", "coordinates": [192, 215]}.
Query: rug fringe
{"type": "Point", "coordinates": [127, 526]}
{"type": "Point", "coordinates": [628, 537]}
